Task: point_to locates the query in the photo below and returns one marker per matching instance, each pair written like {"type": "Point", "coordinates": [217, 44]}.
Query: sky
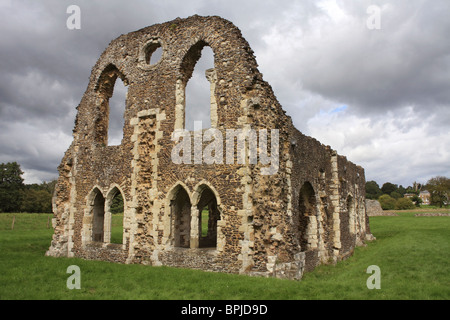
{"type": "Point", "coordinates": [369, 78]}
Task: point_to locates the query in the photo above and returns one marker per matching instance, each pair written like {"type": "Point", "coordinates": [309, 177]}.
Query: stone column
{"type": "Point", "coordinates": [211, 75]}
{"type": "Point", "coordinates": [335, 201]}
{"type": "Point", "coordinates": [194, 239]}
{"type": "Point", "coordinates": [107, 224]}
{"type": "Point", "coordinates": [179, 104]}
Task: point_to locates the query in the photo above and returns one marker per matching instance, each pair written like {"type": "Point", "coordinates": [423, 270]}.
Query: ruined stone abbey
{"type": "Point", "coordinates": [227, 216]}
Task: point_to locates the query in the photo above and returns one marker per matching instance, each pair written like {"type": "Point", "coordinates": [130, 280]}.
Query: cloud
{"type": "Point", "coordinates": [397, 147]}
{"type": "Point", "coordinates": [380, 96]}
{"type": "Point", "coordinates": [335, 55]}
{"type": "Point", "coordinates": [38, 151]}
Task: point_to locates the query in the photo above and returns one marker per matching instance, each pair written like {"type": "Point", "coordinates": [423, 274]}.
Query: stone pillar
{"type": "Point", "coordinates": [179, 104]}
{"type": "Point", "coordinates": [335, 201]}
{"type": "Point", "coordinates": [211, 75]}
{"type": "Point", "coordinates": [107, 224]}
{"type": "Point", "coordinates": [194, 239]}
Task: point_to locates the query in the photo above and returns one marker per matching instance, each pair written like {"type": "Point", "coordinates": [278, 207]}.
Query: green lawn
{"type": "Point", "coordinates": [116, 228]}
{"type": "Point", "coordinates": [413, 254]}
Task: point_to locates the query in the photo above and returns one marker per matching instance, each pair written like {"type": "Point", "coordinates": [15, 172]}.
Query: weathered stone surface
{"type": "Point", "coordinates": [373, 208]}
{"type": "Point", "coordinates": [309, 209]}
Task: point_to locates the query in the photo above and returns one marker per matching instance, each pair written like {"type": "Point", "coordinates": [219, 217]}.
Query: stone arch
{"type": "Point", "coordinates": [94, 216]}
{"type": "Point", "coordinates": [199, 187]}
{"type": "Point", "coordinates": [190, 59]}
{"type": "Point", "coordinates": [307, 219]}
{"type": "Point", "coordinates": [180, 216]}
{"type": "Point", "coordinates": [351, 209]}
{"type": "Point", "coordinates": [205, 199]}
{"type": "Point", "coordinates": [112, 193]}
{"type": "Point", "coordinates": [347, 223]}
{"type": "Point", "coordinates": [104, 90]}
{"type": "Point", "coordinates": [360, 219]}
{"type": "Point", "coordinates": [188, 63]}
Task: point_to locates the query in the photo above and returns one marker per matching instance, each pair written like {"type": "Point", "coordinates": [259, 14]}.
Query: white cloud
{"type": "Point", "coordinates": [36, 149]}
{"type": "Point", "coordinates": [317, 55]}
{"type": "Point", "coordinates": [395, 147]}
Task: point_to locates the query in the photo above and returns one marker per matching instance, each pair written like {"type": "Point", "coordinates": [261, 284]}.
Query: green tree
{"type": "Point", "coordinates": [11, 185]}
{"type": "Point", "coordinates": [404, 204]}
{"type": "Point", "coordinates": [388, 188]}
{"type": "Point", "coordinates": [416, 200]}
{"type": "Point", "coordinates": [439, 188]}
{"type": "Point", "coordinates": [117, 204]}
{"type": "Point", "coordinates": [36, 200]}
{"type": "Point", "coordinates": [401, 190]}
{"type": "Point", "coordinates": [373, 190]}
{"type": "Point", "coordinates": [49, 186]}
{"type": "Point", "coordinates": [395, 195]}
{"type": "Point", "coordinates": [386, 202]}
{"type": "Point", "coordinates": [412, 190]}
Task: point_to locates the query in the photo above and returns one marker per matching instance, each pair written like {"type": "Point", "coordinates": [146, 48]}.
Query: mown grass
{"type": "Point", "coordinates": [117, 228]}
{"type": "Point", "coordinates": [412, 252]}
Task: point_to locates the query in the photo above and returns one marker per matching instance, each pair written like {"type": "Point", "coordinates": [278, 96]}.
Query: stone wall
{"type": "Point", "coordinates": [373, 208]}
{"type": "Point", "coordinates": [280, 219]}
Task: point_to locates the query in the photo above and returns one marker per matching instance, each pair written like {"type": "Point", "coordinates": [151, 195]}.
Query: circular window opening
{"type": "Point", "coordinates": [153, 53]}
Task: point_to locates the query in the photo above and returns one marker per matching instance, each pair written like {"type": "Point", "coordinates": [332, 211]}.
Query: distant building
{"type": "Point", "coordinates": [425, 196]}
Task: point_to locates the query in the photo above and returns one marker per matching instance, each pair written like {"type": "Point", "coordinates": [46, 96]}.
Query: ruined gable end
{"type": "Point", "coordinates": [248, 194]}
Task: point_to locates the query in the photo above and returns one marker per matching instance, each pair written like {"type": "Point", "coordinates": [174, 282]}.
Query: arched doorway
{"type": "Point", "coordinates": [114, 215]}
{"type": "Point", "coordinates": [180, 208]}
{"type": "Point", "coordinates": [98, 220]}
{"type": "Point", "coordinates": [307, 215]}
{"type": "Point", "coordinates": [351, 208]}
{"type": "Point", "coordinates": [208, 217]}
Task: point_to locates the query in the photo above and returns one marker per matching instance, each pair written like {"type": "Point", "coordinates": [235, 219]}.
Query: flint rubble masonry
{"type": "Point", "coordinates": [311, 210]}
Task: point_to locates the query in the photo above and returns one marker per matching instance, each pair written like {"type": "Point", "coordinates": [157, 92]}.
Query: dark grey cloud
{"type": "Point", "coordinates": [404, 63]}
{"type": "Point", "coordinates": [318, 56]}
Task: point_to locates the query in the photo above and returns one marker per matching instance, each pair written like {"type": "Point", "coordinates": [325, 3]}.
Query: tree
{"type": "Point", "coordinates": [395, 195]}
{"type": "Point", "coordinates": [373, 190]}
{"type": "Point", "coordinates": [416, 200]}
{"type": "Point", "coordinates": [412, 190]}
{"type": "Point", "coordinates": [401, 190]}
{"type": "Point", "coordinates": [404, 204]}
{"type": "Point", "coordinates": [439, 188]}
{"type": "Point", "coordinates": [117, 204]}
{"type": "Point", "coordinates": [49, 186]}
{"type": "Point", "coordinates": [36, 201]}
{"type": "Point", "coordinates": [388, 188]}
{"type": "Point", "coordinates": [11, 185]}
{"type": "Point", "coordinates": [386, 202]}
{"type": "Point", "coordinates": [37, 198]}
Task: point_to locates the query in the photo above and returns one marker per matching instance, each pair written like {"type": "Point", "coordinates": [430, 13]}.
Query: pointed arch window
{"type": "Point", "coordinates": [307, 213]}
{"type": "Point", "coordinates": [111, 103]}
{"type": "Point", "coordinates": [114, 215]}
{"type": "Point", "coordinates": [180, 207]}
{"type": "Point", "coordinates": [195, 89]}
{"type": "Point", "coordinates": [98, 219]}
{"type": "Point", "coordinates": [208, 217]}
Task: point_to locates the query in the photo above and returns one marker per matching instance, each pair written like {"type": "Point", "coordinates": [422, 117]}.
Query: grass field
{"type": "Point", "coordinates": [413, 254]}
